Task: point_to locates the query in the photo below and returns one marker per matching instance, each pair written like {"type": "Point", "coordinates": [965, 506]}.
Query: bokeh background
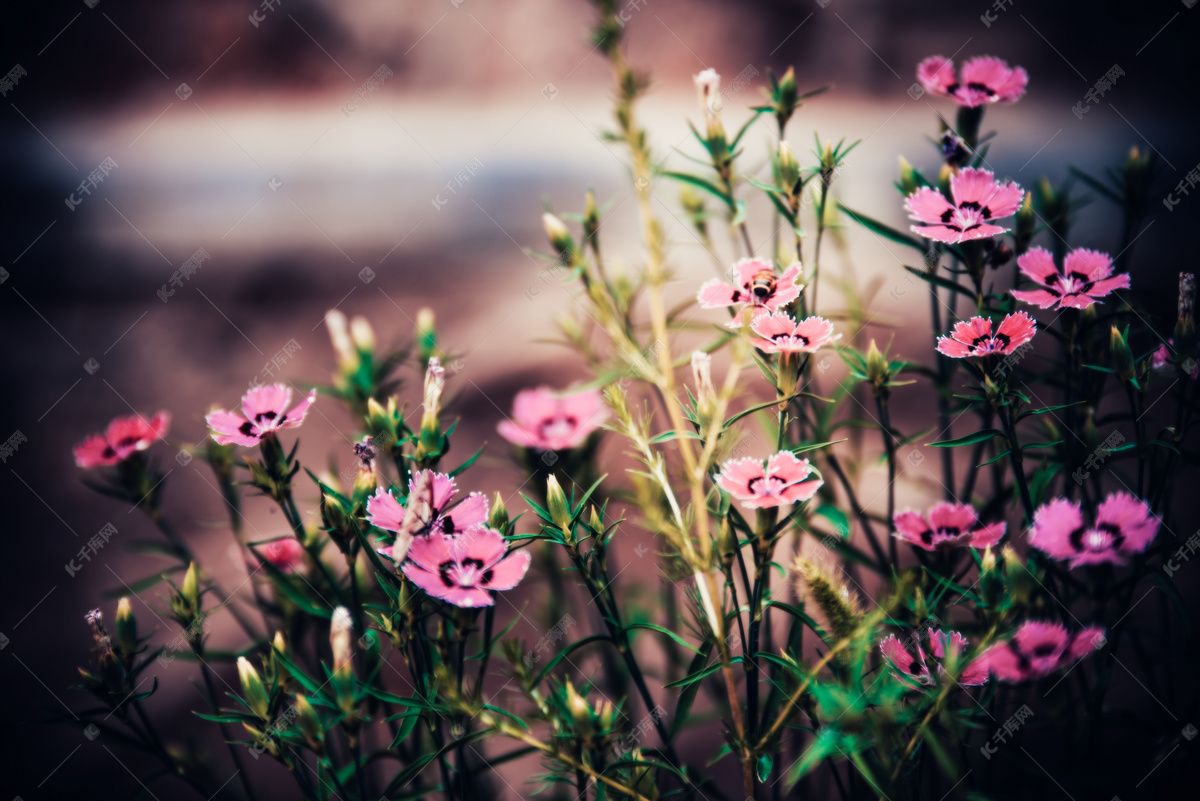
{"type": "Point", "coordinates": [234, 129]}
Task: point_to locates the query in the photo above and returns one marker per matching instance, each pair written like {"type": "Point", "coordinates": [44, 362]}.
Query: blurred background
{"type": "Point", "coordinates": [380, 157]}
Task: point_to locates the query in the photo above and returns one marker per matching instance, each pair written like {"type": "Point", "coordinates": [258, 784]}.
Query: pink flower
{"type": "Point", "coordinates": [985, 79]}
{"type": "Point", "coordinates": [1039, 649]}
{"type": "Point", "coordinates": [905, 662]}
{"type": "Point", "coordinates": [465, 570]}
{"type": "Point", "coordinates": [756, 285]}
{"type": "Point", "coordinates": [1162, 358]}
{"type": "Point", "coordinates": [974, 337]}
{"type": "Point", "coordinates": [284, 553]}
{"type": "Point", "coordinates": [972, 673]}
{"type": "Point", "coordinates": [978, 199]}
{"type": "Point", "coordinates": [785, 479]}
{"type": "Point", "coordinates": [1124, 526]}
{"type": "Point", "coordinates": [451, 519]}
{"type": "Point", "coordinates": [266, 410]}
{"type": "Point", "coordinates": [782, 334]}
{"type": "Point", "coordinates": [546, 421]}
{"type": "Point", "coordinates": [915, 666]}
{"type": "Point", "coordinates": [123, 437]}
{"type": "Point", "coordinates": [1082, 281]}
{"type": "Point", "coordinates": [947, 525]}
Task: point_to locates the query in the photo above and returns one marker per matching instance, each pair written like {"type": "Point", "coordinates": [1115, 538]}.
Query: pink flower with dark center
{"type": "Point", "coordinates": [386, 512]}
{"type": "Point", "coordinates": [914, 667]}
{"type": "Point", "coordinates": [123, 437]}
{"type": "Point", "coordinates": [972, 673]}
{"type": "Point", "coordinates": [946, 526]}
{"type": "Point", "coordinates": [785, 479]}
{"type": "Point", "coordinates": [1039, 649]}
{"type": "Point", "coordinates": [985, 79]}
{"type": "Point", "coordinates": [755, 284]}
{"type": "Point", "coordinates": [284, 553]}
{"type": "Point", "coordinates": [546, 421]}
{"type": "Point", "coordinates": [266, 410]}
{"type": "Point", "coordinates": [909, 665]}
{"type": "Point", "coordinates": [1124, 526]}
{"type": "Point", "coordinates": [465, 570]}
{"type": "Point", "coordinates": [974, 337]}
{"type": "Point", "coordinates": [1082, 281]}
{"type": "Point", "coordinates": [781, 333]}
{"type": "Point", "coordinates": [978, 198]}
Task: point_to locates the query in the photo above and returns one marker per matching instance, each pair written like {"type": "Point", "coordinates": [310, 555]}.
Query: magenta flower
{"type": "Point", "coordinates": [978, 198]}
{"type": "Point", "coordinates": [1124, 526]}
{"type": "Point", "coordinates": [757, 286]}
{"type": "Point", "coordinates": [785, 479]}
{"type": "Point", "coordinates": [915, 666]}
{"type": "Point", "coordinates": [1082, 281]}
{"type": "Point", "coordinates": [985, 79]}
{"type": "Point", "coordinates": [974, 337]}
{"type": "Point", "coordinates": [123, 437]}
{"type": "Point", "coordinates": [386, 512]}
{"type": "Point", "coordinates": [266, 410]}
{"type": "Point", "coordinates": [465, 570]}
{"type": "Point", "coordinates": [546, 421]}
{"type": "Point", "coordinates": [780, 333]}
{"type": "Point", "coordinates": [284, 553]}
{"type": "Point", "coordinates": [1161, 359]}
{"type": "Point", "coordinates": [1039, 649]}
{"type": "Point", "coordinates": [946, 526]}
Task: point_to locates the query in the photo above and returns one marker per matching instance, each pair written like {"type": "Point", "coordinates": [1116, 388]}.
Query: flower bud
{"type": "Point", "coordinates": [310, 723]}
{"type": "Point", "coordinates": [708, 89]}
{"type": "Point", "coordinates": [877, 367]}
{"type": "Point", "coordinates": [909, 182]}
{"type": "Point", "coordinates": [560, 238]}
{"type": "Point", "coordinates": [362, 335]}
{"type": "Point", "coordinates": [254, 692]}
{"type": "Point", "coordinates": [591, 219]}
{"type": "Point", "coordinates": [727, 544]}
{"type": "Point", "coordinates": [785, 97]}
{"type": "Point", "coordinates": [498, 517]}
{"type": "Point", "coordinates": [340, 629]}
{"type": "Point", "coordinates": [556, 504]}
{"type": "Point", "coordinates": [343, 345]}
{"type": "Point", "coordinates": [581, 712]}
{"type": "Point", "coordinates": [1185, 324]}
{"type": "Point", "coordinates": [1026, 224]}
{"type": "Point", "coordinates": [702, 376]}
{"type": "Point", "coordinates": [789, 168]}
{"type": "Point", "coordinates": [1122, 356]}
{"type": "Point", "coordinates": [435, 382]}
{"type": "Point", "coordinates": [426, 336]}
{"type": "Point", "coordinates": [127, 638]}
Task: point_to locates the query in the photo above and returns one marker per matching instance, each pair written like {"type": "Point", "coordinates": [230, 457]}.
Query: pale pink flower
{"type": "Point", "coordinates": [985, 79]}
{"type": "Point", "coordinates": [755, 284]}
{"type": "Point", "coordinates": [977, 199]}
{"type": "Point", "coordinates": [781, 333]}
{"type": "Point", "coordinates": [465, 570]}
{"type": "Point", "coordinates": [1123, 526]}
{"type": "Point", "coordinates": [386, 512]}
{"type": "Point", "coordinates": [784, 479]}
{"type": "Point", "coordinates": [547, 421]}
{"type": "Point", "coordinates": [284, 553]}
{"type": "Point", "coordinates": [945, 526]}
{"type": "Point", "coordinates": [266, 410]}
{"type": "Point", "coordinates": [124, 437]}
{"type": "Point", "coordinates": [1085, 277]}
{"type": "Point", "coordinates": [974, 337]}
{"type": "Point", "coordinates": [1039, 649]}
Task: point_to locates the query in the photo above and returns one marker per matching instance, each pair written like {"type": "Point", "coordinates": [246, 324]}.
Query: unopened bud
{"type": "Point", "coordinates": [309, 723]}
{"type": "Point", "coordinates": [908, 178]}
{"type": "Point", "coordinates": [343, 345]}
{"type": "Point", "coordinates": [253, 691]}
{"type": "Point", "coordinates": [425, 335]}
{"type": "Point", "coordinates": [560, 237]}
{"type": "Point", "coordinates": [1121, 354]}
{"type": "Point", "coordinates": [1026, 224]}
{"type": "Point", "coordinates": [340, 628]}
{"type": "Point", "coordinates": [556, 503]}
{"type": "Point", "coordinates": [362, 335]}
{"type": "Point", "coordinates": [127, 637]}
{"type": "Point", "coordinates": [789, 168]}
{"type": "Point", "coordinates": [498, 517]}
{"type": "Point", "coordinates": [708, 89]}
{"type": "Point", "coordinates": [877, 367]}
{"type": "Point", "coordinates": [190, 589]}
